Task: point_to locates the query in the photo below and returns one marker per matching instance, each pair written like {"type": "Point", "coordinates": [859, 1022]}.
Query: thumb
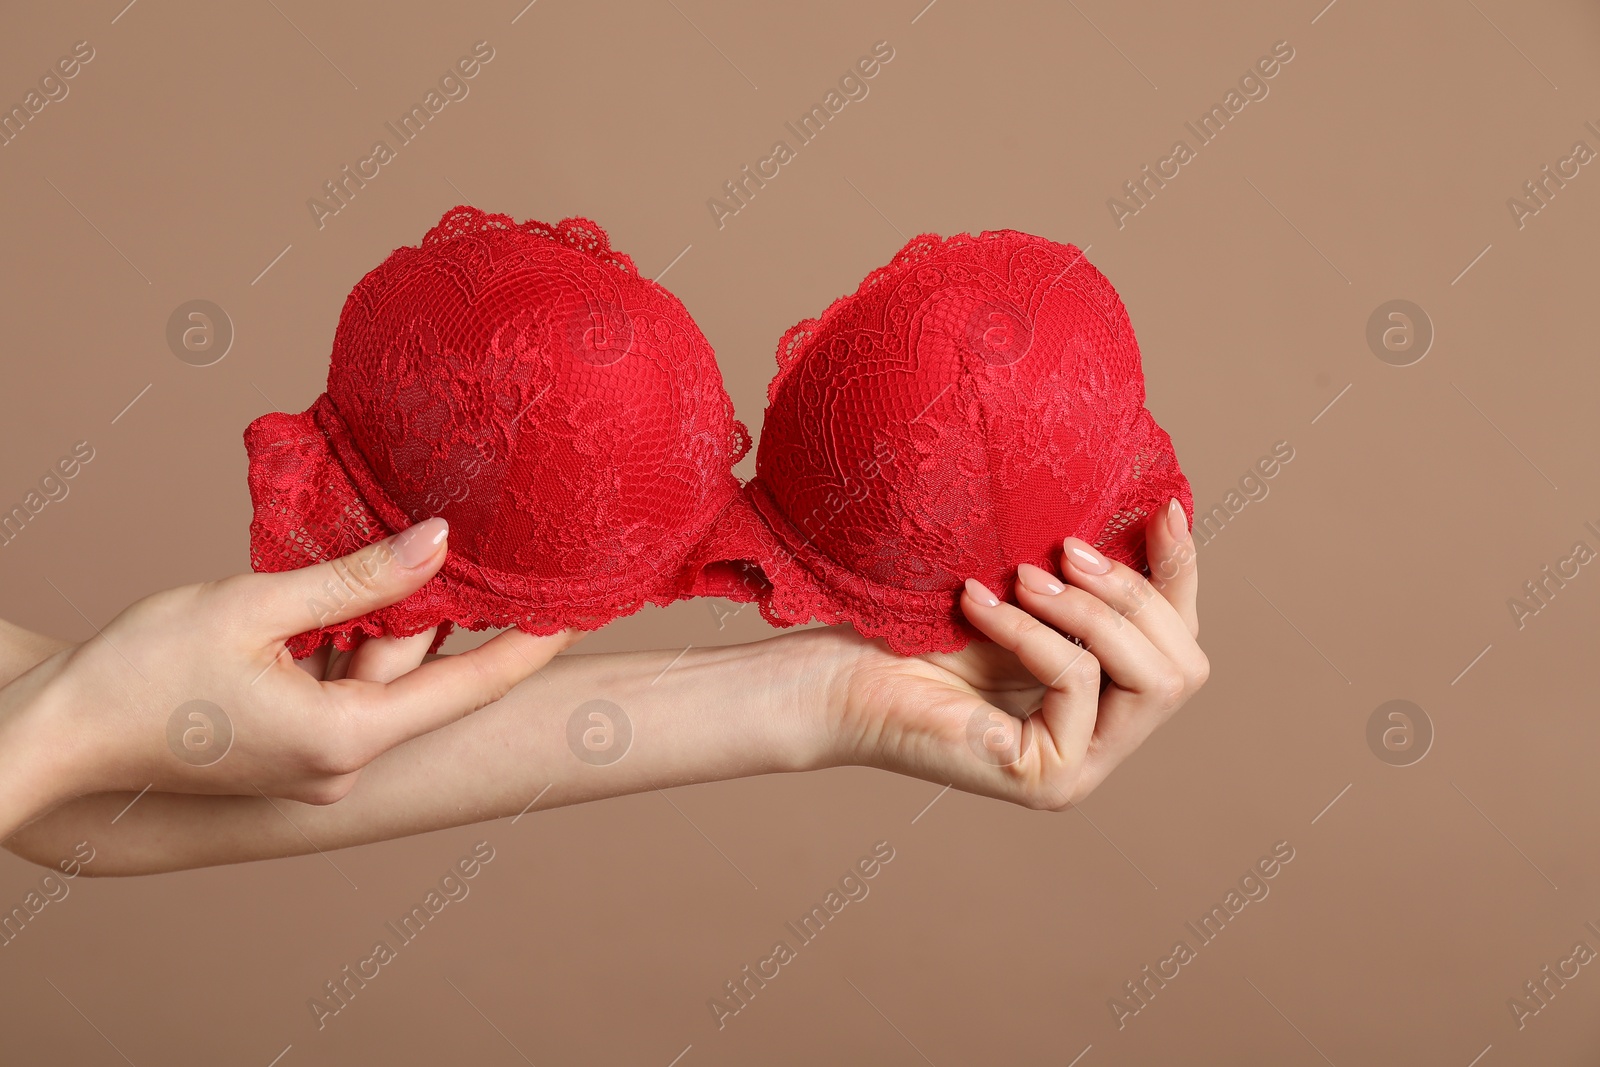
{"type": "Point", "coordinates": [380, 574]}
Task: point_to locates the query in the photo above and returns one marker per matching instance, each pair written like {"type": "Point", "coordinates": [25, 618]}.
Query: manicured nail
{"type": "Point", "coordinates": [1177, 522]}
{"type": "Point", "coordinates": [1038, 580]}
{"type": "Point", "coordinates": [980, 592]}
{"type": "Point", "coordinates": [1085, 558]}
{"type": "Point", "coordinates": [416, 546]}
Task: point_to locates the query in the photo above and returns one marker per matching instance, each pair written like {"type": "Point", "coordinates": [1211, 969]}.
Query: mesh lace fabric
{"type": "Point", "coordinates": [974, 401]}
{"type": "Point", "coordinates": [565, 415]}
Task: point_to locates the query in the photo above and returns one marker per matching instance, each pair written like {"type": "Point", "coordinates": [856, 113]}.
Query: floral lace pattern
{"type": "Point", "coordinates": [974, 401]}
{"type": "Point", "coordinates": [564, 414]}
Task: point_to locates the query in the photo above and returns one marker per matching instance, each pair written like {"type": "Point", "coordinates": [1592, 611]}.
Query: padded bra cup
{"type": "Point", "coordinates": [974, 401]}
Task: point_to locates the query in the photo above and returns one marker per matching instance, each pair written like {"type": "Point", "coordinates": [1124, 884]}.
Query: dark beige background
{"type": "Point", "coordinates": [1377, 568]}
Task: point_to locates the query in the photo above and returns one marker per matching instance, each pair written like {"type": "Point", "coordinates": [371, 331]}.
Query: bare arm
{"type": "Point", "coordinates": [717, 713]}
{"type": "Point", "coordinates": [1024, 718]}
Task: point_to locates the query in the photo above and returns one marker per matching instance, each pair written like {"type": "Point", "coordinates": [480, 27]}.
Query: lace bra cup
{"type": "Point", "coordinates": [974, 401]}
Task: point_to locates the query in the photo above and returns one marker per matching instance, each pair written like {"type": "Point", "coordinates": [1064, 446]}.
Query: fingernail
{"type": "Point", "coordinates": [1085, 558]}
{"type": "Point", "coordinates": [1038, 580]}
{"type": "Point", "coordinates": [980, 592]}
{"type": "Point", "coordinates": [416, 546]}
{"type": "Point", "coordinates": [1177, 522]}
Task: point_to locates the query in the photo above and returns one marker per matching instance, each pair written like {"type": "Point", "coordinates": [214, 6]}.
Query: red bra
{"type": "Point", "coordinates": [976, 400]}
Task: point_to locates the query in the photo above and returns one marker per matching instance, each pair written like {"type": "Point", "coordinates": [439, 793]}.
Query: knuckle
{"type": "Point", "coordinates": [238, 588]}
{"type": "Point", "coordinates": [307, 756]}
{"type": "Point", "coordinates": [341, 760]}
{"type": "Point", "coordinates": [495, 680]}
{"type": "Point", "coordinates": [332, 754]}
{"type": "Point", "coordinates": [1128, 583]}
{"type": "Point", "coordinates": [184, 601]}
{"type": "Point", "coordinates": [347, 575]}
{"type": "Point", "coordinates": [488, 682]}
{"type": "Point", "coordinates": [1199, 671]}
{"type": "Point", "coordinates": [324, 791]}
{"type": "Point", "coordinates": [220, 592]}
{"type": "Point", "coordinates": [359, 573]}
{"type": "Point", "coordinates": [343, 756]}
{"type": "Point", "coordinates": [1025, 628]}
{"type": "Point", "coordinates": [1037, 800]}
{"type": "Point", "coordinates": [1170, 689]}
{"type": "Point", "coordinates": [1093, 612]}
{"type": "Point", "coordinates": [1137, 592]}
{"type": "Point", "coordinates": [232, 603]}
{"type": "Point", "coordinates": [1084, 670]}
{"type": "Point", "coordinates": [1047, 799]}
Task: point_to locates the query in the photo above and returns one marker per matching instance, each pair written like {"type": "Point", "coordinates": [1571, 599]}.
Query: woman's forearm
{"type": "Point", "coordinates": [702, 715]}
{"type": "Point", "coordinates": [30, 755]}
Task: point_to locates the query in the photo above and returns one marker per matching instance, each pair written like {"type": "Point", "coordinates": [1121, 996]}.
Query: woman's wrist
{"type": "Point", "coordinates": [725, 711]}
{"type": "Point", "coordinates": [816, 665]}
{"type": "Point", "coordinates": [807, 673]}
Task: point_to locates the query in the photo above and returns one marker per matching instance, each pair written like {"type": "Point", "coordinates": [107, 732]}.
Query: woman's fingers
{"type": "Point", "coordinates": [1171, 552]}
{"type": "Point", "coordinates": [1125, 654]}
{"type": "Point", "coordinates": [1070, 674]}
{"type": "Point", "coordinates": [1130, 594]}
{"type": "Point", "coordinates": [291, 602]}
{"type": "Point", "coordinates": [1139, 632]}
{"type": "Point", "coordinates": [446, 689]}
{"type": "Point", "coordinates": [1147, 686]}
{"type": "Point", "coordinates": [385, 658]}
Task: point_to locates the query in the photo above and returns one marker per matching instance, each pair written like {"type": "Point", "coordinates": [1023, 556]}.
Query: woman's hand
{"type": "Point", "coordinates": [1038, 718]}
{"type": "Point", "coordinates": [192, 690]}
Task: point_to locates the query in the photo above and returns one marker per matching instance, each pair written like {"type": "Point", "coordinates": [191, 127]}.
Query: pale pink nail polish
{"type": "Point", "coordinates": [417, 545]}
{"type": "Point", "coordinates": [1038, 580]}
{"type": "Point", "coordinates": [1176, 522]}
{"type": "Point", "coordinates": [980, 592]}
{"type": "Point", "coordinates": [1085, 558]}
